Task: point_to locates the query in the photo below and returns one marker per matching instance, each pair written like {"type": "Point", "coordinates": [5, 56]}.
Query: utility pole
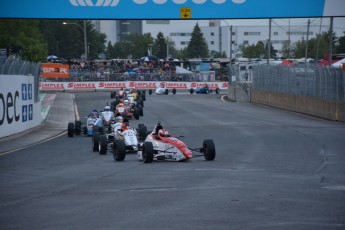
{"type": "Point", "coordinates": [269, 42]}
{"type": "Point", "coordinates": [85, 40]}
{"type": "Point", "coordinates": [330, 42]}
{"type": "Point", "coordinates": [230, 54]}
{"type": "Point", "coordinates": [289, 42]}
{"type": "Point", "coordinates": [306, 46]}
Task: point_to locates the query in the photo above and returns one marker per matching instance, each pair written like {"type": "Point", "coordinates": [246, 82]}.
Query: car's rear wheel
{"type": "Point", "coordinates": [103, 144]}
{"type": "Point", "coordinates": [136, 113]}
{"type": "Point", "coordinates": [191, 91]}
{"type": "Point", "coordinates": [77, 127]}
{"type": "Point", "coordinates": [70, 129]}
{"type": "Point", "coordinates": [142, 132]}
{"type": "Point", "coordinates": [147, 152]}
{"type": "Point", "coordinates": [119, 150]}
{"type": "Point", "coordinates": [95, 141]}
{"type": "Point", "coordinates": [209, 150]}
{"type": "Point", "coordinates": [174, 91]}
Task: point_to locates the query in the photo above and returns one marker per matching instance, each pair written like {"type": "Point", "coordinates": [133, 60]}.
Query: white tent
{"type": "Point", "coordinates": [339, 63]}
{"type": "Point", "coordinates": [180, 70]}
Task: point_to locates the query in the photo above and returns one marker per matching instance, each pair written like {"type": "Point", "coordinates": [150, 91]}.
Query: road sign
{"type": "Point", "coordinates": [185, 13]}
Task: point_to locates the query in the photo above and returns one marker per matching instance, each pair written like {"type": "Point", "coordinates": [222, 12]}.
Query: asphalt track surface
{"type": "Point", "coordinates": [273, 170]}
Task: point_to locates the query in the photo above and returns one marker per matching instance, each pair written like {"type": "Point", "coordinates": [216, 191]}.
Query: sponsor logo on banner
{"type": "Point", "coordinates": [113, 3]}
{"type": "Point", "coordinates": [50, 70]}
{"type": "Point", "coordinates": [142, 85]}
{"type": "Point", "coordinates": [91, 85]}
{"type": "Point", "coordinates": [111, 85]}
{"type": "Point", "coordinates": [177, 85]}
{"type": "Point", "coordinates": [51, 86]}
{"type": "Point", "coordinates": [212, 85]}
{"type": "Point", "coordinates": [27, 109]}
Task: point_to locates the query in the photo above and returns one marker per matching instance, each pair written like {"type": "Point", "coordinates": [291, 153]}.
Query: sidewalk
{"type": "Point", "coordinates": [54, 123]}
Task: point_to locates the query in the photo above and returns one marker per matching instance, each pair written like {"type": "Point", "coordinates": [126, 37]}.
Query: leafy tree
{"type": "Point", "coordinates": [160, 46]}
{"type": "Point", "coordinates": [197, 47]}
{"type": "Point", "coordinates": [23, 38]}
{"type": "Point", "coordinates": [68, 40]}
{"type": "Point", "coordinates": [216, 54]}
{"type": "Point", "coordinates": [340, 46]}
{"type": "Point", "coordinates": [253, 51]}
{"type": "Point", "coordinates": [287, 50]}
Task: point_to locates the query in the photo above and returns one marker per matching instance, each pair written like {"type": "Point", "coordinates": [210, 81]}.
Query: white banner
{"type": "Point", "coordinates": [113, 85]}
{"type": "Point", "coordinates": [18, 111]}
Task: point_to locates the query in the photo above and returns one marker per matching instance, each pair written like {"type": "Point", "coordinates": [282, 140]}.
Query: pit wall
{"type": "Point", "coordinates": [329, 110]}
{"type": "Point", "coordinates": [18, 110]}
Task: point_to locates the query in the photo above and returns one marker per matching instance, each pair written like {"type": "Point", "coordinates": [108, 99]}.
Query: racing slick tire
{"type": "Point", "coordinates": [141, 111]}
{"type": "Point", "coordinates": [102, 145]}
{"type": "Point", "coordinates": [70, 129]}
{"type": "Point", "coordinates": [95, 141]}
{"type": "Point", "coordinates": [111, 94]}
{"type": "Point", "coordinates": [191, 91]}
{"type": "Point", "coordinates": [150, 91]}
{"type": "Point", "coordinates": [119, 150]}
{"type": "Point", "coordinates": [174, 91]}
{"type": "Point", "coordinates": [209, 149]}
{"type": "Point", "coordinates": [166, 91]}
{"type": "Point", "coordinates": [142, 132]}
{"type": "Point", "coordinates": [77, 127]}
{"type": "Point", "coordinates": [143, 97]}
{"type": "Point", "coordinates": [136, 113]}
{"type": "Point", "coordinates": [84, 130]}
{"type": "Point", "coordinates": [217, 90]}
{"type": "Point", "coordinates": [147, 152]}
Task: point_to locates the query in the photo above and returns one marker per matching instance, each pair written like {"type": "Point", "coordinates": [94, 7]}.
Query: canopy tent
{"type": "Point", "coordinates": [339, 63]}
{"type": "Point", "coordinates": [180, 70]}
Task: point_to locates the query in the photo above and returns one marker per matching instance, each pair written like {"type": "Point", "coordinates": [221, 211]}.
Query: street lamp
{"type": "Point", "coordinates": [230, 30]}
{"type": "Point", "coordinates": [84, 31]}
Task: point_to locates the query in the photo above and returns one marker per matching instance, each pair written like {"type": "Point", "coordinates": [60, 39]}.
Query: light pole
{"type": "Point", "coordinates": [230, 30]}
{"type": "Point", "coordinates": [84, 31]}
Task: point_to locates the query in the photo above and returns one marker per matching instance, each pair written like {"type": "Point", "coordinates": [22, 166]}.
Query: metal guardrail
{"type": "Point", "coordinates": [21, 67]}
{"type": "Point", "coordinates": [303, 80]}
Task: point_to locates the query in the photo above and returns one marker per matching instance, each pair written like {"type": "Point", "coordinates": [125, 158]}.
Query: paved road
{"type": "Point", "coordinates": [273, 170]}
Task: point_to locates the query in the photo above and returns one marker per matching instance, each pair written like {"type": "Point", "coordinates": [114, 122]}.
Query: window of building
{"type": "Point", "coordinates": [298, 33]}
{"type": "Point", "coordinates": [245, 42]}
{"type": "Point", "coordinates": [212, 34]}
{"type": "Point", "coordinates": [212, 42]}
{"type": "Point", "coordinates": [252, 33]}
{"type": "Point", "coordinates": [275, 33]}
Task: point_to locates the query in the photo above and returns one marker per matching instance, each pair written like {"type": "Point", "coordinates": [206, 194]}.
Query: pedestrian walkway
{"type": "Point", "coordinates": [57, 110]}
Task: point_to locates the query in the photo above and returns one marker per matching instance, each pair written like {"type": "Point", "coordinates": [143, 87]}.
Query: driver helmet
{"type": "Point", "coordinates": [121, 104]}
{"type": "Point", "coordinates": [163, 133]}
{"type": "Point", "coordinates": [119, 119]}
{"type": "Point", "coordinates": [107, 108]}
{"type": "Point", "coordinates": [124, 126]}
{"type": "Point", "coordinates": [126, 102]}
{"type": "Point", "coordinates": [94, 114]}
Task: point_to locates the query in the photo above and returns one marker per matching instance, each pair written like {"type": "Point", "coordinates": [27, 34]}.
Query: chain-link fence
{"type": "Point", "coordinates": [303, 80]}
{"type": "Point", "coordinates": [20, 67]}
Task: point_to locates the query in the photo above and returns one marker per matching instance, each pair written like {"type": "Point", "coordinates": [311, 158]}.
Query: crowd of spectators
{"type": "Point", "coordinates": [127, 69]}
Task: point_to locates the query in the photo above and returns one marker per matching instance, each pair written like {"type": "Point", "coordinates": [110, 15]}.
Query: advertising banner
{"type": "Point", "coordinates": [52, 70]}
{"type": "Point", "coordinates": [18, 111]}
{"type": "Point", "coordinates": [108, 86]}
{"type": "Point", "coordinates": [169, 9]}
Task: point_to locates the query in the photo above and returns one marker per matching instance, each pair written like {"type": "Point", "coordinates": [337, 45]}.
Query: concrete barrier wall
{"type": "Point", "coordinates": [330, 110]}
{"type": "Point", "coordinates": [18, 110]}
{"type": "Point", "coordinates": [237, 94]}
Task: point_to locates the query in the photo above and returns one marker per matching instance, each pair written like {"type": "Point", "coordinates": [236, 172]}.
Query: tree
{"type": "Point", "coordinates": [23, 38]}
{"type": "Point", "coordinates": [253, 51]}
{"type": "Point", "coordinates": [197, 47]}
{"type": "Point", "coordinates": [68, 40]}
{"type": "Point", "coordinates": [340, 46]}
{"type": "Point", "coordinates": [160, 46]}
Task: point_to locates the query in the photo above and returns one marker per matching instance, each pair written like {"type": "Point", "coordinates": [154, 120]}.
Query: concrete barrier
{"type": "Point", "coordinates": [330, 110]}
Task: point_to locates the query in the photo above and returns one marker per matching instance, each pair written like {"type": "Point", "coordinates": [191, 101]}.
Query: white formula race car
{"type": "Point", "coordinates": [119, 142]}
{"type": "Point", "coordinates": [159, 145]}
